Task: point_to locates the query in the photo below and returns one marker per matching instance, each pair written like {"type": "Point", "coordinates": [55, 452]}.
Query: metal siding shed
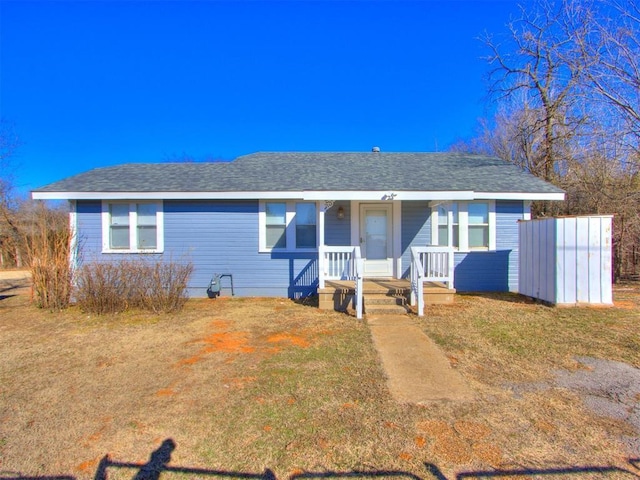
{"type": "Point", "coordinates": [567, 260]}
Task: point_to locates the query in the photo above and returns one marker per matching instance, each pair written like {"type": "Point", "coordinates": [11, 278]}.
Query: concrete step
{"type": "Point", "coordinates": [386, 303]}
{"type": "Point", "coordinates": [385, 309]}
{"type": "Point", "coordinates": [385, 300]}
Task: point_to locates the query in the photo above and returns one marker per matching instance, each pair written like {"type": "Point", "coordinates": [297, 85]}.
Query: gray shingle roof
{"type": "Point", "coordinates": [313, 171]}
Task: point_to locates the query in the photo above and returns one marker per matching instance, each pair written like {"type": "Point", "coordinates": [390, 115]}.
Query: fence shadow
{"type": "Point", "coordinates": [19, 476]}
{"type": "Point", "coordinates": [10, 289]}
{"type": "Point", "coordinates": [399, 474]}
{"type": "Point", "coordinates": [573, 471]}
{"type": "Point", "coordinates": [160, 458]}
{"type": "Point", "coordinates": [159, 463]}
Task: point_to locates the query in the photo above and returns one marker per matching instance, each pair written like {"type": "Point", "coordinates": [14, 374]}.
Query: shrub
{"type": "Point", "coordinates": [101, 288]}
{"type": "Point", "coordinates": [48, 241]}
{"type": "Point", "coordinates": [159, 287]}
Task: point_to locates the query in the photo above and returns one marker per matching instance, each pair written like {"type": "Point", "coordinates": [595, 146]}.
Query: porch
{"type": "Point", "coordinates": [342, 281]}
{"type": "Point", "coordinates": [381, 296]}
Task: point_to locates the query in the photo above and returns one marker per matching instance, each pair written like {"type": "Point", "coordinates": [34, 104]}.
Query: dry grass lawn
{"type": "Point", "coordinates": [245, 385]}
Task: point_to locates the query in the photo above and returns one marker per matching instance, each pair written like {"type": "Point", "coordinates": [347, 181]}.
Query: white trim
{"type": "Point", "coordinates": [396, 230]}
{"type": "Point", "coordinates": [133, 230]}
{"type": "Point", "coordinates": [355, 222]}
{"type": "Point", "coordinates": [309, 195]}
{"type": "Point", "coordinates": [526, 210]}
{"type": "Point", "coordinates": [397, 238]}
{"type": "Point", "coordinates": [389, 261]}
{"type": "Point", "coordinates": [321, 208]}
{"type": "Point", "coordinates": [463, 225]}
{"type": "Point", "coordinates": [517, 196]}
{"type": "Point", "coordinates": [386, 195]}
{"type": "Point", "coordinates": [290, 226]}
{"type": "Point", "coordinates": [73, 244]}
{"type": "Point", "coordinates": [492, 225]}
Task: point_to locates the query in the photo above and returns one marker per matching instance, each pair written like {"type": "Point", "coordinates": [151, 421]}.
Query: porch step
{"type": "Point", "coordinates": [382, 303]}
{"type": "Point", "coordinates": [385, 300]}
{"type": "Point", "coordinates": [380, 296]}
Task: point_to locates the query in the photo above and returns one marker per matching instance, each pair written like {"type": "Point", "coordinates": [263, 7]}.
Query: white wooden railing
{"type": "Point", "coordinates": [335, 264]}
{"type": "Point", "coordinates": [358, 271]}
{"type": "Point", "coordinates": [417, 282]}
{"type": "Point", "coordinates": [429, 264]}
{"type": "Point", "coordinates": [342, 263]}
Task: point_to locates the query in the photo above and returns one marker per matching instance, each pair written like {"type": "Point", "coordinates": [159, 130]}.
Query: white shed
{"type": "Point", "coordinates": [566, 260]}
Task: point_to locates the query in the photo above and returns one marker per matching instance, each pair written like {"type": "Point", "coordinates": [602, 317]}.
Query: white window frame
{"type": "Point", "coordinates": [463, 225]}
{"type": "Point", "coordinates": [133, 227]}
{"type": "Point", "coordinates": [290, 227]}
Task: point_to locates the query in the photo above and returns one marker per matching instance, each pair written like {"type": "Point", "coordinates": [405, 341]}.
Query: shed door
{"type": "Point", "coordinates": [376, 239]}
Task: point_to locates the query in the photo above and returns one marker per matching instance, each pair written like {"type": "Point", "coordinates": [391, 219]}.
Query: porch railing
{"type": "Point", "coordinates": [358, 271]}
{"type": "Point", "coordinates": [342, 263]}
{"type": "Point", "coordinates": [429, 264]}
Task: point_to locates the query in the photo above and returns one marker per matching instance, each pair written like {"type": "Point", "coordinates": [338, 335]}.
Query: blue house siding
{"type": "Point", "coordinates": [474, 271]}
{"type": "Point", "coordinates": [222, 237]}
{"type": "Point", "coordinates": [338, 231]}
{"type": "Point", "coordinates": [493, 271]}
{"type": "Point", "coordinates": [507, 223]}
{"type": "Point", "coordinates": [89, 221]}
{"type": "Point", "coordinates": [416, 231]}
{"type": "Point", "coordinates": [217, 237]}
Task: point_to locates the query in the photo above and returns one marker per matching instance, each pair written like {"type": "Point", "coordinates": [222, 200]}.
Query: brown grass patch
{"type": "Point", "coordinates": [625, 304]}
{"type": "Point", "coordinates": [241, 386]}
{"type": "Point", "coordinates": [291, 338]}
{"type": "Point", "coordinates": [88, 466]}
{"type": "Point", "coordinates": [472, 431]}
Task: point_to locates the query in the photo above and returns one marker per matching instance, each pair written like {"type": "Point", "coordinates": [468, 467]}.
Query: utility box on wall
{"type": "Point", "coordinates": [566, 261]}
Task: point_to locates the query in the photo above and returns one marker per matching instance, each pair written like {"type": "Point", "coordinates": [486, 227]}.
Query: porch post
{"type": "Point", "coordinates": [321, 209]}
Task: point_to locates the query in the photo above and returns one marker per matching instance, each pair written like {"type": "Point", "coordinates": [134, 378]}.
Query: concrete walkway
{"type": "Point", "coordinates": [417, 370]}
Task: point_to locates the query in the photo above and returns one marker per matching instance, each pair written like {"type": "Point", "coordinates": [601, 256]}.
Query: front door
{"type": "Point", "coordinates": [376, 239]}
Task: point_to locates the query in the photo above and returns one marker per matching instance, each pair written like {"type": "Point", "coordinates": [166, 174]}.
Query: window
{"type": "Point", "coordinates": [288, 226]}
{"type": "Point", "coordinates": [132, 227]}
{"type": "Point", "coordinates": [305, 225]}
{"type": "Point", "coordinates": [448, 218]}
{"type": "Point", "coordinates": [119, 225]}
{"type": "Point", "coordinates": [478, 217]}
{"type": "Point", "coordinates": [147, 225]}
{"type": "Point", "coordinates": [464, 225]}
{"type": "Point", "coordinates": [276, 225]}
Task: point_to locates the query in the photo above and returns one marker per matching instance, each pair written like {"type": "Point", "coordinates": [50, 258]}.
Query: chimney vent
{"type": "Point", "coordinates": [376, 149]}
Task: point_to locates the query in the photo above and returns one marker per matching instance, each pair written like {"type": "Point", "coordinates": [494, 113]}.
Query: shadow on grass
{"type": "Point", "coordinates": [527, 472]}
{"type": "Point", "coordinates": [7, 288]}
{"type": "Point", "coordinates": [357, 474]}
{"type": "Point", "coordinates": [308, 301]}
{"type": "Point", "coordinates": [508, 297]}
{"type": "Point", "coordinates": [18, 476]}
{"type": "Point", "coordinates": [159, 463]}
{"type": "Point", "coordinates": [160, 458]}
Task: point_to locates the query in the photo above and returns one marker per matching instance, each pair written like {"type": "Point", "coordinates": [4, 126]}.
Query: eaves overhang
{"type": "Point", "coordinates": [310, 195]}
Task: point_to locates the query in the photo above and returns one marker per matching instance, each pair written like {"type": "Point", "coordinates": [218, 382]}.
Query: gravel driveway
{"type": "Point", "coordinates": [610, 389]}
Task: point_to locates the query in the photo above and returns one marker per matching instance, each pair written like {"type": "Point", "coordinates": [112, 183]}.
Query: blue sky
{"type": "Point", "coordinates": [95, 83]}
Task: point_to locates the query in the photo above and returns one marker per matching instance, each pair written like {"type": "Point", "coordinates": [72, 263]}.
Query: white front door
{"type": "Point", "coordinates": [376, 239]}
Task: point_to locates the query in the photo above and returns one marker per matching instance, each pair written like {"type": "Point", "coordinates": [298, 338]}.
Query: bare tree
{"type": "Point", "coordinates": [10, 246]}
{"type": "Point", "coordinates": [567, 83]}
{"type": "Point", "coordinates": [537, 63]}
{"type": "Point", "coordinates": [611, 50]}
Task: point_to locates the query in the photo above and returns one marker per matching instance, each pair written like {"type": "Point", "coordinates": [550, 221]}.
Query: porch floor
{"type": "Point", "coordinates": [338, 294]}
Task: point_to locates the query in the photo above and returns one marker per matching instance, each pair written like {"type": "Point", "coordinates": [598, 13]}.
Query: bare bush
{"type": "Point", "coordinates": [48, 239]}
{"type": "Point", "coordinates": [159, 287]}
{"type": "Point", "coordinates": [163, 287]}
{"type": "Point", "coordinates": [100, 288]}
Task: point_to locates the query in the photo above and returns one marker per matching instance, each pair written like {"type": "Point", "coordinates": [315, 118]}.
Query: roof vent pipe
{"type": "Point", "coordinates": [376, 149]}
